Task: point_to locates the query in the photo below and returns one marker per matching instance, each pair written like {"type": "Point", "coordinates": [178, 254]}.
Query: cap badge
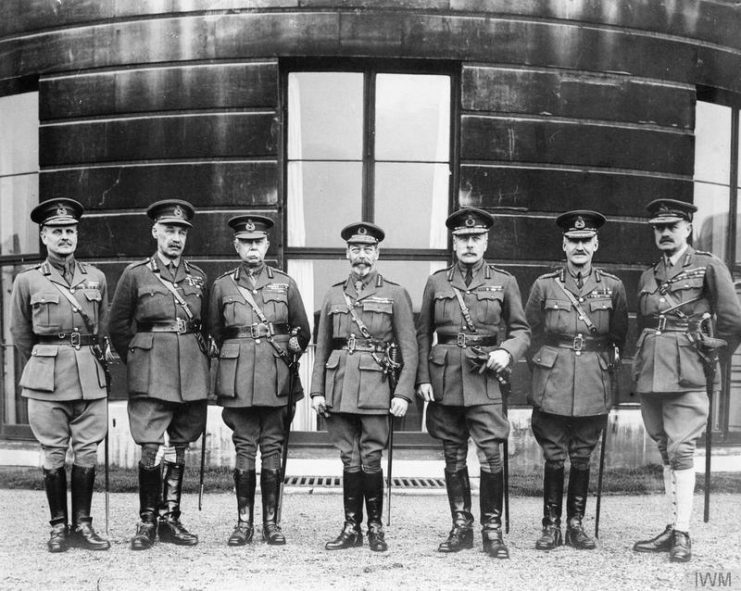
{"type": "Point", "coordinates": [249, 225]}
{"type": "Point", "coordinates": [470, 221]}
{"type": "Point", "coordinates": [62, 210]}
{"type": "Point", "coordinates": [664, 209]}
{"type": "Point", "coordinates": [177, 212]}
{"type": "Point", "coordinates": [579, 223]}
{"type": "Point", "coordinates": [362, 230]}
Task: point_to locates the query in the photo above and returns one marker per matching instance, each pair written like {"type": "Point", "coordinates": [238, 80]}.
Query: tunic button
{"type": "Point", "coordinates": [581, 317]}
{"type": "Point", "coordinates": [662, 300]}
{"type": "Point", "coordinates": [581, 299]}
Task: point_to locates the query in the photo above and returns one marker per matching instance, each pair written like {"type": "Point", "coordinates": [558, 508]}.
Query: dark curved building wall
{"type": "Point", "coordinates": [574, 104]}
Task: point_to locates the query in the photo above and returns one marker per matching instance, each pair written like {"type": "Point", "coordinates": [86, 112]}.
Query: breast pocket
{"type": "Point", "coordinates": [489, 309]}
{"type": "Point", "coordinates": [377, 316]}
{"type": "Point", "coordinates": [46, 311]}
{"type": "Point", "coordinates": [235, 311]}
{"type": "Point", "coordinates": [275, 305]}
{"type": "Point", "coordinates": [447, 310]}
{"type": "Point", "coordinates": [92, 303]}
{"type": "Point", "coordinates": [194, 297]}
{"type": "Point", "coordinates": [600, 311]}
{"type": "Point", "coordinates": [558, 316]}
{"type": "Point", "coordinates": [153, 302]}
{"type": "Point", "coordinates": [688, 289]}
{"type": "Point", "coordinates": [340, 318]}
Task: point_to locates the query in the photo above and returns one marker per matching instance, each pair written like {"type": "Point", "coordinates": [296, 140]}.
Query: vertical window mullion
{"type": "Point", "coordinates": [733, 189]}
{"type": "Point", "coordinates": [369, 125]}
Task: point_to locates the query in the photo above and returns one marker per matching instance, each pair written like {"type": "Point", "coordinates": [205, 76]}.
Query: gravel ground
{"type": "Point", "coordinates": [420, 522]}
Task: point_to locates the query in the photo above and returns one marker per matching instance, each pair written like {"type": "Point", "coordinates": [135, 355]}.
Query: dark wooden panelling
{"type": "Point", "coordinates": [580, 95]}
{"type": "Point", "coordinates": [200, 136]}
{"type": "Point", "coordinates": [285, 34]}
{"type": "Point", "coordinates": [718, 22]}
{"type": "Point", "coordinates": [548, 44]}
{"type": "Point", "coordinates": [204, 184]}
{"type": "Point", "coordinates": [373, 34]}
{"type": "Point", "coordinates": [210, 86]}
{"type": "Point", "coordinates": [538, 238]}
{"type": "Point", "coordinates": [516, 140]}
{"type": "Point", "coordinates": [29, 15]}
{"type": "Point", "coordinates": [244, 35]}
{"type": "Point", "coordinates": [129, 236]}
{"type": "Point", "coordinates": [561, 190]}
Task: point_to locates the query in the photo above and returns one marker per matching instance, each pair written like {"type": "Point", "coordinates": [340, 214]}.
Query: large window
{"type": "Point", "coordinates": [716, 226]}
{"type": "Point", "coordinates": [19, 193]}
{"type": "Point", "coordinates": [374, 144]}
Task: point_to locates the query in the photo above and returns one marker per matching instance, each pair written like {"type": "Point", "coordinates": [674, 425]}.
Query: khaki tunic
{"type": "Point", "coordinates": [667, 361]}
{"type": "Point", "coordinates": [58, 372]}
{"type": "Point", "coordinates": [166, 366]}
{"type": "Point", "coordinates": [493, 298]}
{"type": "Point", "coordinates": [564, 382]}
{"type": "Point", "coordinates": [251, 372]}
{"type": "Point", "coordinates": [355, 383]}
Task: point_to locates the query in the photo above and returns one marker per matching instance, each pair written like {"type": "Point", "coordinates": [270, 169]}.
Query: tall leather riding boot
{"type": "Point", "coordinates": [373, 491]}
{"type": "Point", "coordinates": [576, 503]}
{"type": "Point", "coordinates": [150, 489]}
{"type": "Point", "coordinates": [83, 535]}
{"type": "Point", "coordinates": [460, 537]}
{"type": "Point", "coordinates": [269, 484]}
{"type": "Point", "coordinates": [244, 482]}
{"type": "Point", "coordinates": [170, 528]}
{"type": "Point", "coordinates": [552, 506]}
{"type": "Point", "coordinates": [351, 534]}
{"type": "Point", "coordinates": [55, 483]}
{"type": "Point", "coordinates": [492, 493]}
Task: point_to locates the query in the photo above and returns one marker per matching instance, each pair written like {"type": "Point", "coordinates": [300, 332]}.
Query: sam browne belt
{"type": "Point", "coordinates": [74, 339]}
{"type": "Point", "coordinates": [578, 343]}
{"type": "Point", "coordinates": [464, 340]}
{"type": "Point", "coordinates": [258, 330]}
{"type": "Point", "coordinates": [179, 326]}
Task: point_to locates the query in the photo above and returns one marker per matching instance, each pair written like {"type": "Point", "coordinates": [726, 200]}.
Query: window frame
{"type": "Point", "coordinates": [370, 68]}
{"type": "Point", "coordinates": [733, 101]}
{"type": "Point", "coordinates": [20, 431]}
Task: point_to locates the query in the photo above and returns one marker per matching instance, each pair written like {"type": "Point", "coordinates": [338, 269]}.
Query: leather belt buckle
{"type": "Point", "coordinates": [460, 340]}
{"type": "Point", "coordinates": [182, 326]}
{"type": "Point", "coordinates": [661, 326]}
{"type": "Point", "coordinates": [351, 344]}
{"type": "Point", "coordinates": [74, 339]}
{"type": "Point", "coordinates": [578, 344]}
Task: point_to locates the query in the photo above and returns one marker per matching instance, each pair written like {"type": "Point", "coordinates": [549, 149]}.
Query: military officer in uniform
{"type": "Point", "coordinates": [677, 297]}
{"type": "Point", "coordinates": [459, 376]}
{"type": "Point", "coordinates": [259, 323]}
{"type": "Point", "coordinates": [362, 317]}
{"type": "Point", "coordinates": [155, 325]}
{"type": "Point", "coordinates": [58, 309]}
{"type": "Point", "coordinates": [579, 318]}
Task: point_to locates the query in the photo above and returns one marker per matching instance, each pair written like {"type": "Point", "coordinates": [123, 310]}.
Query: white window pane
{"type": "Point", "coordinates": [15, 407]}
{"type": "Point", "coordinates": [411, 204]}
{"type": "Point", "coordinates": [325, 116]}
{"type": "Point", "coordinates": [323, 197]}
{"type": "Point", "coordinates": [712, 143]}
{"type": "Point", "coordinates": [710, 223]}
{"type": "Point", "coordinates": [412, 117]}
{"type": "Point", "coordinates": [18, 196]}
{"type": "Point", "coordinates": [19, 133]}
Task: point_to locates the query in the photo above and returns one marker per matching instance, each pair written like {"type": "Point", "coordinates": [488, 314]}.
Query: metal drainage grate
{"type": "Point", "coordinates": [336, 482]}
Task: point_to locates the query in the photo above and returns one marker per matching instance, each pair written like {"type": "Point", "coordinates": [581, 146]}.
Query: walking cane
{"type": "Point", "coordinates": [600, 474]}
{"type": "Point", "coordinates": [394, 363]}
